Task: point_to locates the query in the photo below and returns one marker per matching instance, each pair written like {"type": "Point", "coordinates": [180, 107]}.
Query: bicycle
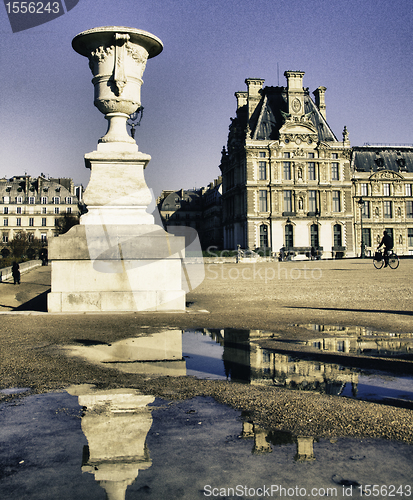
{"type": "Point", "coordinates": [378, 260]}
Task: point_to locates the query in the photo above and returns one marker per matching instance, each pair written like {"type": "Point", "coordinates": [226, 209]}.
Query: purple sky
{"type": "Point", "coordinates": [361, 50]}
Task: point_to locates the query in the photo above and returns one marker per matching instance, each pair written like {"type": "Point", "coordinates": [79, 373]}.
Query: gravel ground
{"type": "Point", "coordinates": [276, 297]}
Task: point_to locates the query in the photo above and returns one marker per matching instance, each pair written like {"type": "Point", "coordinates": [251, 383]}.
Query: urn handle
{"type": "Point", "coordinates": [119, 76]}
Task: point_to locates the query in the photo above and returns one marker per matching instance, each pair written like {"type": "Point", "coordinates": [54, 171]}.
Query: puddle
{"type": "Point", "coordinates": [120, 444]}
{"type": "Point", "coordinates": [235, 355]}
{"type": "Point", "coordinates": [232, 355]}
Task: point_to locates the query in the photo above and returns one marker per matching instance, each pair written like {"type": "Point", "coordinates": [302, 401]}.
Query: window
{"type": "Point", "coordinates": [18, 199]}
{"type": "Point", "coordinates": [340, 346]}
{"type": "Point", "coordinates": [5, 222]}
{"type": "Point", "coordinates": [44, 210]}
{"type": "Point", "coordinates": [287, 170]}
{"type": "Point", "coordinates": [43, 221]}
{"type": "Point", "coordinates": [69, 210]}
{"type": "Point", "coordinates": [18, 221]}
{"type": "Point", "coordinates": [409, 209]}
{"type": "Point", "coordinates": [311, 171]}
{"type": "Point", "coordinates": [18, 210]}
{"type": "Point", "coordinates": [312, 201]}
{"type": "Point", "coordinates": [56, 210]}
{"type": "Point", "coordinates": [336, 201]}
{"type": "Point", "coordinates": [288, 201]}
{"type": "Point", "coordinates": [31, 200]}
{"type": "Point", "coordinates": [43, 237]}
{"type": "Point", "coordinates": [367, 236]}
{"type": "Point", "coordinates": [263, 200]}
{"type": "Point", "coordinates": [44, 200]}
{"type": "Point", "coordinates": [6, 210]}
{"type": "Point", "coordinates": [6, 199]}
{"type": "Point", "coordinates": [337, 235]}
{"type": "Point", "coordinates": [314, 235]}
{"type": "Point", "coordinates": [263, 154]}
{"type": "Point", "coordinates": [386, 189]}
{"type": "Point", "coordinates": [287, 155]}
{"type": "Point", "coordinates": [30, 237]}
{"type": "Point", "coordinates": [262, 170]}
{"type": "Point", "coordinates": [56, 222]}
{"type": "Point", "coordinates": [408, 189]}
{"type": "Point", "coordinates": [364, 189]}
{"type": "Point", "coordinates": [69, 200]}
{"type": "Point", "coordinates": [31, 221]}
{"type": "Point", "coordinates": [388, 209]}
{"type": "Point", "coordinates": [56, 200]}
{"type": "Point", "coordinates": [365, 211]}
{"type": "Point", "coordinates": [263, 236]}
{"type": "Point", "coordinates": [334, 156]}
{"type": "Point", "coordinates": [334, 171]}
{"type": "Point", "coordinates": [410, 237]}
{"type": "Point", "coordinates": [289, 238]}
{"type": "Point", "coordinates": [5, 238]}
{"type": "Point", "coordinates": [311, 155]}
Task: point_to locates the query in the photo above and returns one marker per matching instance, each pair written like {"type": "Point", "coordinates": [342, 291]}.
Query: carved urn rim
{"type": "Point", "coordinates": [89, 40]}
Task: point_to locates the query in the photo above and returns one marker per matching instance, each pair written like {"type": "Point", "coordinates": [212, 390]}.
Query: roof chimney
{"type": "Point", "coordinates": [320, 100]}
{"type": "Point", "coordinates": [295, 92]}
{"type": "Point", "coordinates": [254, 93]}
{"type": "Point", "coordinates": [242, 99]}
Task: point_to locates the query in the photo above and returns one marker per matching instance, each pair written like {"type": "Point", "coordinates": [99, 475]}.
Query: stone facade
{"type": "Point", "coordinates": [383, 181]}
{"type": "Point", "coordinates": [287, 183]}
{"type": "Point", "coordinates": [199, 209]}
{"type": "Point", "coordinates": [34, 204]}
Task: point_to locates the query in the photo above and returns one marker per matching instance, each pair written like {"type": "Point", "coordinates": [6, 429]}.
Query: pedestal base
{"type": "Point", "coordinates": [116, 268]}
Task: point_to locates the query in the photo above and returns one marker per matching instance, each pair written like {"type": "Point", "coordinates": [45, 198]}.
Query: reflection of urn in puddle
{"type": "Point", "coordinates": [117, 259]}
{"type": "Point", "coordinates": [115, 423]}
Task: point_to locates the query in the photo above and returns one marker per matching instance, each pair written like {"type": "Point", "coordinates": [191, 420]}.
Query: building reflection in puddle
{"type": "Point", "coordinates": [236, 355]}
{"type": "Point", "coordinates": [360, 340]}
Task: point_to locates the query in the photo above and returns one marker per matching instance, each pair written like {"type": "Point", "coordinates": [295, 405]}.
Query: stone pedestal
{"type": "Point", "coordinates": [117, 259]}
{"type": "Point", "coordinates": [115, 423]}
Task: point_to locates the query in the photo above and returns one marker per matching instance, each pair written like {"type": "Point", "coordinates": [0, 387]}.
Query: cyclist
{"type": "Point", "coordinates": [387, 242]}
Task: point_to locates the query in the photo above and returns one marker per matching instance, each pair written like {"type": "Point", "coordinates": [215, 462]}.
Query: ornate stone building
{"type": "Point", "coordinates": [383, 196]}
{"type": "Point", "coordinates": [34, 205]}
{"type": "Point", "coordinates": [286, 178]}
{"type": "Point", "coordinates": [200, 209]}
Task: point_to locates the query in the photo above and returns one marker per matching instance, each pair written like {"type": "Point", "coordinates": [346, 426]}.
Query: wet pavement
{"type": "Point", "coordinates": [217, 402]}
{"type": "Point", "coordinates": [117, 444]}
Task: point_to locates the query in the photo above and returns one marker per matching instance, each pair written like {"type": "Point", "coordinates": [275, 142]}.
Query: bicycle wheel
{"type": "Point", "coordinates": [393, 261]}
{"type": "Point", "coordinates": [378, 264]}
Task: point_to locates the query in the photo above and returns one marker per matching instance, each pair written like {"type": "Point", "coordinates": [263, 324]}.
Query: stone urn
{"type": "Point", "coordinates": [117, 58]}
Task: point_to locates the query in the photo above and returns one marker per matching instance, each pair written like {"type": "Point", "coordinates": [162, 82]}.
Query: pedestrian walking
{"type": "Point", "coordinates": [15, 271]}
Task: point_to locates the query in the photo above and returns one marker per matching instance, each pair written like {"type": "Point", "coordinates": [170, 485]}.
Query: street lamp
{"type": "Point", "coordinates": [361, 205]}
{"type": "Point", "coordinates": [135, 120]}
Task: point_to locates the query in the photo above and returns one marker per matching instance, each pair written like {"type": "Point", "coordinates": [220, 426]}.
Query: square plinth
{"type": "Point", "coordinates": [129, 269]}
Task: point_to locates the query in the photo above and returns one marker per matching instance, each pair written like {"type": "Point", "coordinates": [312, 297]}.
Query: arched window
{"type": "Point", "coordinates": [314, 236]}
{"type": "Point", "coordinates": [289, 239]}
{"type": "Point", "coordinates": [337, 235]}
{"type": "Point", "coordinates": [263, 236]}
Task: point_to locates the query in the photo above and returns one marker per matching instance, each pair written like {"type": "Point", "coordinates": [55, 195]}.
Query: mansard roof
{"type": "Point", "coordinates": [186, 199]}
{"type": "Point", "coordinates": [25, 185]}
{"type": "Point", "coordinates": [376, 158]}
{"type": "Point", "coordinates": [267, 119]}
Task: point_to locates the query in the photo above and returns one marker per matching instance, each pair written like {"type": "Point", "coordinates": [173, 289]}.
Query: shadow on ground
{"type": "Point", "coordinates": [38, 304]}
